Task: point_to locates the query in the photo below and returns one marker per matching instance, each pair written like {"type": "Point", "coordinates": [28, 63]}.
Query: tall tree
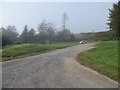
{"type": "Point", "coordinates": [46, 32]}
{"type": "Point", "coordinates": [9, 35]}
{"type": "Point", "coordinates": [50, 34]}
{"type": "Point", "coordinates": [24, 35]}
{"type": "Point", "coordinates": [42, 29]}
{"type": "Point", "coordinates": [64, 35]}
{"type": "Point", "coordinates": [114, 19]}
{"type": "Point", "coordinates": [31, 35]}
{"type": "Point", "coordinates": [6, 40]}
{"type": "Point", "coordinates": [72, 37]}
{"type": "Point", "coordinates": [11, 32]}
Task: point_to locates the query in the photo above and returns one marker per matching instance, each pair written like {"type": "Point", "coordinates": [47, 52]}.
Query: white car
{"type": "Point", "coordinates": [83, 42]}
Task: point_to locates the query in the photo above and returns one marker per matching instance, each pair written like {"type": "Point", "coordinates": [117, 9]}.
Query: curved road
{"type": "Point", "coordinates": [56, 69]}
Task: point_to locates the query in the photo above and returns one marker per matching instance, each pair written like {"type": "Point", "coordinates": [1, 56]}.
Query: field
{"type": "Point", "coordinates": [24, 50]}
{"type": "Point", "coordinates": [103, 58]}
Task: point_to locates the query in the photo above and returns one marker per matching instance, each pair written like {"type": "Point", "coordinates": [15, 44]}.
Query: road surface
{"type": "Point", "coordinates": [56, 69]}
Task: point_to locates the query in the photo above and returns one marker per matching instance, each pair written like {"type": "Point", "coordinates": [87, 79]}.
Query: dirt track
{"type": "Point", "coordinates": [57, 69]}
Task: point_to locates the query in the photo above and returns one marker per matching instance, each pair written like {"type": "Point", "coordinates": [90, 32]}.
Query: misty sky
{"type": "Point", "coordinates": [82, 16]}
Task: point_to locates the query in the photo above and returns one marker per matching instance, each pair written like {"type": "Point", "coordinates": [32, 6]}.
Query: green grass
{"type": "Point", "coordinates": [103, 58]}
{"type": "Point", "coordinates": [23, 50]}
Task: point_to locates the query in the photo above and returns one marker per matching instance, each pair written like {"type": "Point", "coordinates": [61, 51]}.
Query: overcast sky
{"type": "Point", "coordinates": [82, 16]}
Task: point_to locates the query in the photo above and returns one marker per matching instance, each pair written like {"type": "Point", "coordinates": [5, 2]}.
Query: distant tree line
{"type": "Point", "coordinates": [95, 36]}
{"type": "Point", "coordinates": [46, 33]}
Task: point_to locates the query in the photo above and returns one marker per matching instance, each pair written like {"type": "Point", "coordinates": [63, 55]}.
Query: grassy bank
{"type": "Point", "coordinates": [24, 50]}
{"type": "Point", "coordinates": [103, 58]}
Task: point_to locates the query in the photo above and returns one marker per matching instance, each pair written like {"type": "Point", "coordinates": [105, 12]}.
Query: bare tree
{"type": "Point", "coordinates": [65, 18]}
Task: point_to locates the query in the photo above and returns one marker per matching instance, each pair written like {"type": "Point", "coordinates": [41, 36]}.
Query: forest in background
{"type": "Point", "coordinates": [47, 33]}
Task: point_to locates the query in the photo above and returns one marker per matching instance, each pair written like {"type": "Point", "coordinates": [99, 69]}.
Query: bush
{"type": "Point", "coordinates": [6, 40]}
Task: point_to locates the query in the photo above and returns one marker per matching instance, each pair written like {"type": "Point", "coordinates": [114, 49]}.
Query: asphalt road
{"type": "Point", "coordinates": [56, 69]}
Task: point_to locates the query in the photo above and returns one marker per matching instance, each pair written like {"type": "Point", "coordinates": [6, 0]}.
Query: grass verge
{"type": "Point", "coordinates": [103, 58]}
{"type": "Point", "coordinates": [24, 50]}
